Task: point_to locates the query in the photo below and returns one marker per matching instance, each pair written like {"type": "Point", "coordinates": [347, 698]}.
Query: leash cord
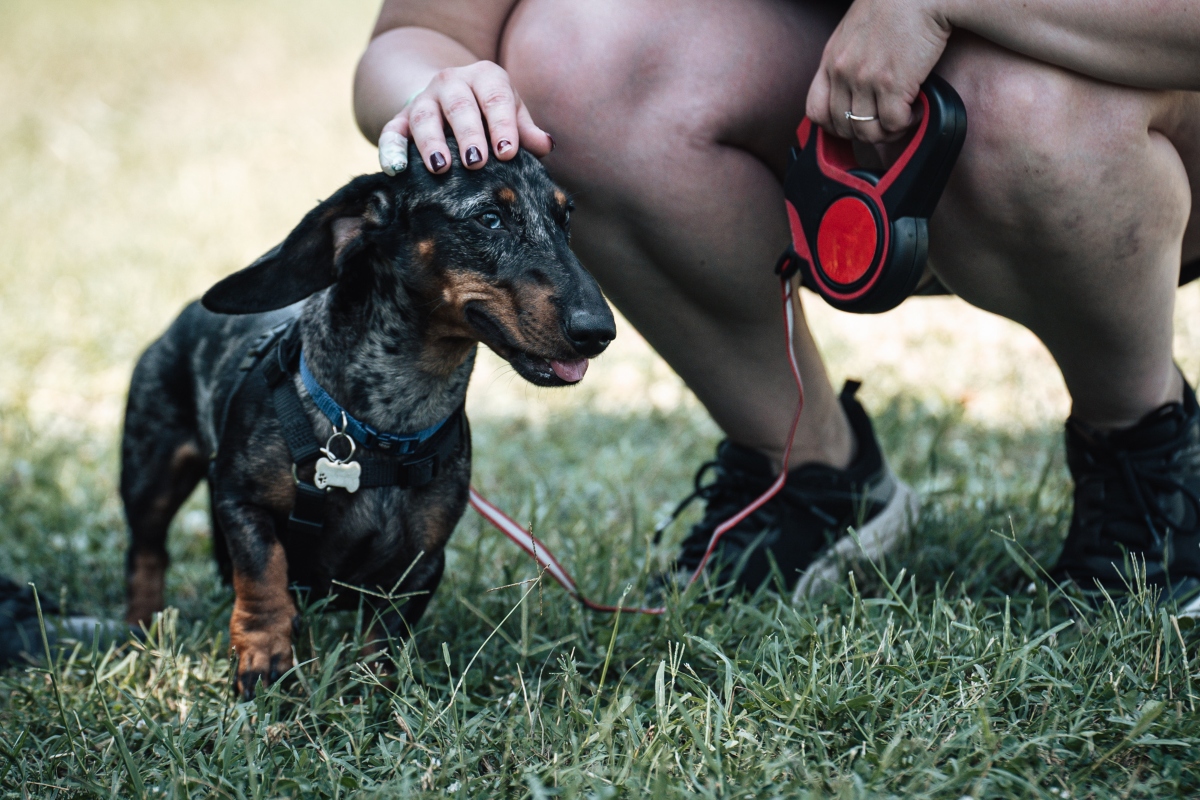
{"type": "Point", "coordinates": [546, 560]}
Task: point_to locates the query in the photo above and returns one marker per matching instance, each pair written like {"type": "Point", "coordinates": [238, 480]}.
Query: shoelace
{"type": "Point", "coordinates": [699, 491]}
{"type": "Point", "coordinates": [726, 493]}
{"type": "Point", "coordinates": [1142, 480]}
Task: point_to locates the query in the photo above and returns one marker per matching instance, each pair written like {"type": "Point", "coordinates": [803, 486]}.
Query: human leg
{"type": "Point", "coordinates": [681, 217]}
{"type": "Point", "coordinates": [1067, 212]}
{"type": "Point", "coordinates": [1070, 211]}
{"type": "Point", "coordinates": [680, 212]}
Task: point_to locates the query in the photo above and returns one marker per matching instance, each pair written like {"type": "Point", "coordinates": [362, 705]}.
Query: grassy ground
{"type": "Point", "coordinates": [947, 673]}
{"type": "Point", "coordinates": [148, 148]}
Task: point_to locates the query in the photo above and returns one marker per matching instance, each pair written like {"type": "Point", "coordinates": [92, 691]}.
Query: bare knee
{"type": "Point", "coordinates": [1032, 140]}
{"type": "Point", "coordinates": [1047, 148]}
{"type": "Point", "coordinates": [629, 87]}
{"type": "Point", "coordinates": [602, 89]}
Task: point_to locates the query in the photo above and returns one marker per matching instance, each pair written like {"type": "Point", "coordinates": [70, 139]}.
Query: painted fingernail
{"type": "Point", "coordinates": [393, 152]}
{"type": "Point", "coordinates": [473, 156]}
{"type": "Point", "coordinates": [503, 146]}
{"type": "Point", "coordinates": [552, 143]}
{"type": "Point", "coordinates": [437, 162]}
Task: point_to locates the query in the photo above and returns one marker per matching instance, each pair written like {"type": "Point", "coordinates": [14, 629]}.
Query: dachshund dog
{"type": "Point", "coordinates": [320, 391]}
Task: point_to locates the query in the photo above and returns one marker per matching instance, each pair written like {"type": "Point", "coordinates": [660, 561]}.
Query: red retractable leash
{"type": "Point", "coordinates": [861, 236]}
{"type": "Point", "coordinates": [860, 239]}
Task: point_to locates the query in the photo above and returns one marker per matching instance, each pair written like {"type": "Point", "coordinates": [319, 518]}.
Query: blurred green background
{"type": "Point", "coordinates": [148, 148]}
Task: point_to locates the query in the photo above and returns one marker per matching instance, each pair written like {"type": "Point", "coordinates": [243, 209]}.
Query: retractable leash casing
{"type": "Point", "coordinates": [861, 237]}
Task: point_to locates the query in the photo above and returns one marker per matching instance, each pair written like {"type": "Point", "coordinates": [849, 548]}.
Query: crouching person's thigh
{"type": "Point", "coordinates": [627, 86]}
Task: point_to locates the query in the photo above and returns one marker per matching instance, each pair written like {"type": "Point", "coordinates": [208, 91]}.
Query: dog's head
{"type": "Point", "coordinates": [477, 255]}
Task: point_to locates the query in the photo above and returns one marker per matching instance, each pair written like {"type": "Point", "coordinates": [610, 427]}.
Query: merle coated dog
{"type": "Point", "coordinates": [353, 341]}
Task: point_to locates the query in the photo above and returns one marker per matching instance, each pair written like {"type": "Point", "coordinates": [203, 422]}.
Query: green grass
{"type": "Point", "coordinates": [947, 672]}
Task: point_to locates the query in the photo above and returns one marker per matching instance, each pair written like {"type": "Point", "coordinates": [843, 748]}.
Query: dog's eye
{"type": "Point", "coordinates": [491, 220]}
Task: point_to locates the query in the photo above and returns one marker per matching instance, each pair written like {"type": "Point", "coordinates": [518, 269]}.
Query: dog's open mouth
{"type": "Point", "coordinates": [536, 369]}
{"type": "Point", "coordinates": [548, 371]}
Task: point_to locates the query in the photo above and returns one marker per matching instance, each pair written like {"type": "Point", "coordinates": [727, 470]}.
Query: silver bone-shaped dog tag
{"type": "Point", "coordinates": [337, 475]}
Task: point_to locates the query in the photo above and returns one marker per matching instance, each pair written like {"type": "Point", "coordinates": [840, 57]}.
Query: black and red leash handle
{"type": "Point", "coordinates": [861, 236]}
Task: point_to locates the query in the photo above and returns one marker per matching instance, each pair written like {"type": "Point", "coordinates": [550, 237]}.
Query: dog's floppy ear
{"type": "Point", "coordinates": [315, 254]}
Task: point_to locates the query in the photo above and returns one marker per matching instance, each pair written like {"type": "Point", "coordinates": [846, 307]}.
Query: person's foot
{"type": "Point", "coordinates": [1137, 499]}
{"type": "Point", "coordinates": [803, 529]}
{"type": "Point", "coordinates": [21, 633]}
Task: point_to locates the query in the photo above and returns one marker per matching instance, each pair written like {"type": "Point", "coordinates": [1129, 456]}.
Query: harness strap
{"type": "Point", "coordinates": [390, 471]}
{"type": "Point", "coordinates": [297, 429]}
{"type": "Point", "coordinates": [400, 470]}
{"type": "Point", "coordinates": [308, 510]}
{"type": "Point", "coordinates": [257, 350]}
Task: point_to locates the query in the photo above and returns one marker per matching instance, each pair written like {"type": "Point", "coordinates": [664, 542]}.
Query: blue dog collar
{"type": "Point", "coordinates": [361, 432]}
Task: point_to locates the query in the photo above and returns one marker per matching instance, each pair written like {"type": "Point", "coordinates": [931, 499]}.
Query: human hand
{"type": "Point", "coordinates": [466, 98]}
{"type": "Point", "coordinates": [874, 65]}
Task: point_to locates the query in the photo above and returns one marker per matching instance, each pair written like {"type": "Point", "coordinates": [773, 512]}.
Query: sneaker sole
{"type": "Point", "coordinates": [1192, 609]}
{"type": "Point", "coordinates": [878, 537]}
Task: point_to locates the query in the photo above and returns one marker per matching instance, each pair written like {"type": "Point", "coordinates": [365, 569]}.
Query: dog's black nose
{"type": "Point", "coordinates": [589, 331]}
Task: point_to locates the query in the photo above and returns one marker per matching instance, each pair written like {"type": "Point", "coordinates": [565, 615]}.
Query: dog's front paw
{"type": "Point", "coordinates": [264, 648]}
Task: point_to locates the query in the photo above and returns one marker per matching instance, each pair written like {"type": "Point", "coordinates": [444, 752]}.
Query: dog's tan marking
{"type": "Point", "coordinates": [449, 339]}
{"type": "Point", "coordinates": [507, 195]}
{"type": "Point", "coordinates": [541, 330]}
{"type": "Point", "coordinates": [425, 249]}
{"type": "Point", "coordinates": [260, 629]}
{"type": "Point", "coordinates": [144, 587]}
{"type": "Point", "coordinates": [527, 314]}
{"type": "Point", "coordinates": [279, 488]}
{"type": "Point", "coordinates": [185, 462]}
{"type": "Point", "coordinates": [560, 198]}
{"type": "Point", "coordinates": [145, 579]}
{"type": "Point", "coordinates": [185, 456]}
{"type": "Point", "coordinates": [268, 465]}
{"type": "Point", "coordinates": [460, 288]}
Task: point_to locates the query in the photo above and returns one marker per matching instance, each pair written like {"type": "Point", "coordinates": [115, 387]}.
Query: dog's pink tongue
{"type": "Point", "coordinates": [569, 371]}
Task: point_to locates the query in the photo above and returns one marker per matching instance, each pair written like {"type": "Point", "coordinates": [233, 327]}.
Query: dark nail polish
{"type": "Point", "coordinates": [503, 146]}
{"type": "Point", "coordinates": [437, 161]}
{"type": "Point", "coordinates": [552, 144]}
{"type": "Point", "coordinates": [473, 156]}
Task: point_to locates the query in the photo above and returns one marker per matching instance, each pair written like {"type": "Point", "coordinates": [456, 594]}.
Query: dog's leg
{"type": "Point", "coordinates": [264, 614]}
{"type": "Point", "coordinates": [161, 463]}
{"type": "Point", "coordinates": [219, 545]}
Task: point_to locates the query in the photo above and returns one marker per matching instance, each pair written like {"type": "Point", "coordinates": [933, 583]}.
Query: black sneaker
{"type": "Point", "coordinates": [1137, 499]}
{"type": "Point", "coordinates": [803, 528]}
{"type": "Point", "coordinates": [21, 634]}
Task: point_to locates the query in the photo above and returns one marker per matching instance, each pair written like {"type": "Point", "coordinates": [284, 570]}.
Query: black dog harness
{"type": "Point", "coordinates": [402, 460]}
